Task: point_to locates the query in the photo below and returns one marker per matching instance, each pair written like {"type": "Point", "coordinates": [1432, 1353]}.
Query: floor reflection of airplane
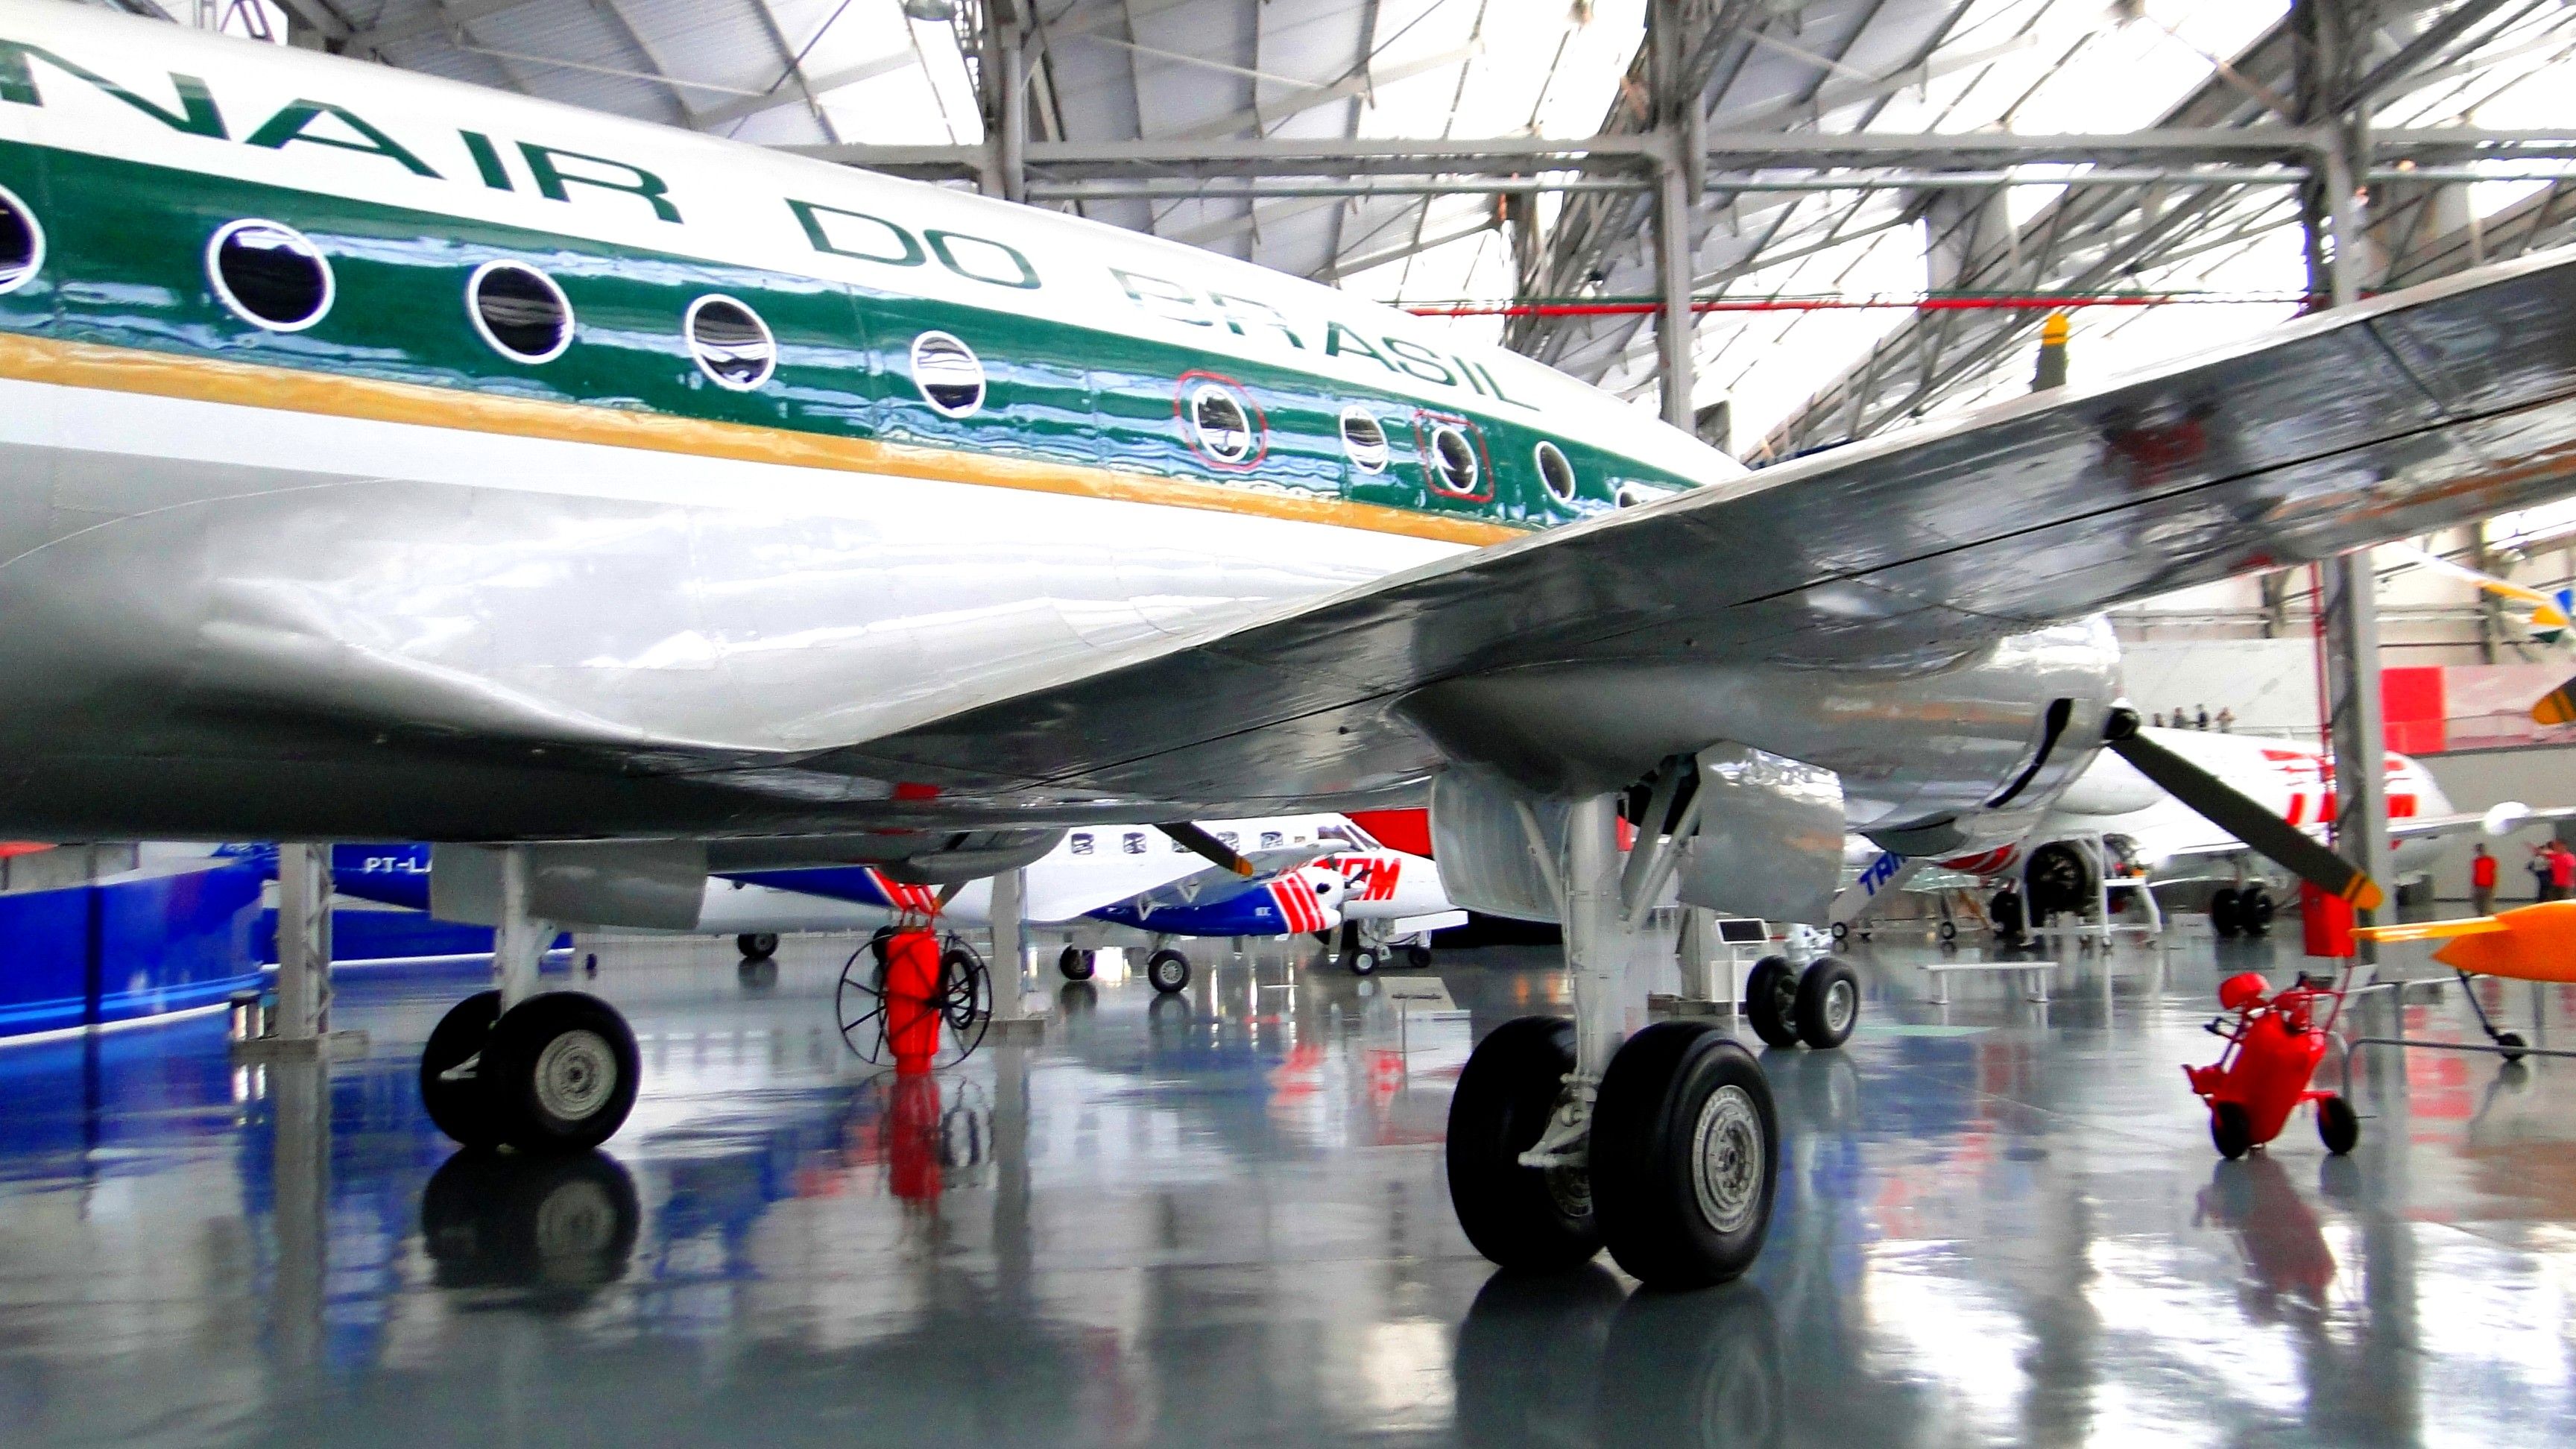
{"type": "Point", "coordinates": [2112, 809]}
{"type": "Point", "coordinates": [739, 511]}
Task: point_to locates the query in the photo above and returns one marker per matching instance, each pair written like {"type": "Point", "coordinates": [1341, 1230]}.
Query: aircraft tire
{"type": "Point", "coordinates": [1685, 1156]}
{"type": "Point", "coordinates": [2338, 1126]}
{"type": "Point", "coordinates": [1771, 1001]}
{"type": "Point", "coordinates": [756, 945]}
{"type": "Point", "coordinates": [2223, 919]}
{"type": "Point", "coordinates": [1828, 1003]}
{"type": "Point", "coordinates": [2254, 910]}
{"type": "Point", "coordinates": [1075, 964]}
{"type": "Point", "coordinates": [1417, 957]}
{"type": "Point", "coordinates": [1362, 959]}
{"type": "Point", "coordinates": [2057, 879]}
{"type": "Point", "coordinates": [460, 1105]}
{"type": "Point", "coordinates": [563, 1069]}
{"type": "Point", "coordinates": [1167, 971]}
{"type": "Point", "coordinates": [2005, 910]}
{"type": "Point", "coordinates": [1528, 1218]}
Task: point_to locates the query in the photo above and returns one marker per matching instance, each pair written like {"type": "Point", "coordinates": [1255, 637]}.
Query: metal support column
{"type": "Point", "coordinates": [1010, 138]}
{"type": "Point", "coordinates": [519, 940]}
{"type": "Point", "coordinates": [2358, 736]}
{"type": "Point", "coordinates": [303, 942]}
{"type": "Point", "coordinates": [1674, 168]}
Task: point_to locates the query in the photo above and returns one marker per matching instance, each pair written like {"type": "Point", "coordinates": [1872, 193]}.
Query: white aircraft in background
{"type": "Point", "coordinates": [1319, 874]}
{"type": "Point", "coordinates": [2112, 810]}
{"type": "Point", "coordinates": [392, 459]}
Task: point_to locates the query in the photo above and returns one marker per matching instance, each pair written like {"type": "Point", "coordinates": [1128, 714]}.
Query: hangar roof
{"type": "Point", "coordinates": [860, 74]}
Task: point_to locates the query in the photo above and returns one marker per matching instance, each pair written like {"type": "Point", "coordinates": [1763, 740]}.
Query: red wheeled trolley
{"type": "Point", "coordinates": [2273, 1048]}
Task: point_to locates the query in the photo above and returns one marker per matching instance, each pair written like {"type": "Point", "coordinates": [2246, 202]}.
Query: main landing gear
{"type": "Point", "coordinates": [2242, 912]}
{"type": "Point", "coordinates": [1663, 1147]}
{"type": "Point", "coordinates": [1818, 1006]}
{"type": "Point", "coordinates": [544, 1072]}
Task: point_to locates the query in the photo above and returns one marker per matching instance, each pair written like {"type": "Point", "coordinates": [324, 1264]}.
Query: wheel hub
{"type": "Point", "coordinates": [1727, 1160]}
{"type": "Point", "coordinates": [576, 1073]}
{"type": "Point", "coordinates": [1841, 1002]}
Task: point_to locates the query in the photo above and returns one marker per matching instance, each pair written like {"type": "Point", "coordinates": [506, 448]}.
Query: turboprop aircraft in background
{"type": "Point", "coordinates": [1315, 874]}
{"type": "Point", "coordinates": [2114, 818]}
{"type": "Point", "coordinates": [394, 459]}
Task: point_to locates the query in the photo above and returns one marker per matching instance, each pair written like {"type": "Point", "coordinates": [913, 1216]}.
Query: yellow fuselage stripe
{"type": "Point", "coordinates": [241, 384]}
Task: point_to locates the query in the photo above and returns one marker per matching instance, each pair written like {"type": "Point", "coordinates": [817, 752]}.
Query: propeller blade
{"type": "Point", "coordinates": [2557, 707]}
{"type": "Point", "coordinates": [2265, 833]}
{"type": "Point", "coordinates": [1192, 838]}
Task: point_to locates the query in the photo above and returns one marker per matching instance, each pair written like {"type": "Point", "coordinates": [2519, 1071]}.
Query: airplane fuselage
{"type": "Point", "coordinates": [381, 456]}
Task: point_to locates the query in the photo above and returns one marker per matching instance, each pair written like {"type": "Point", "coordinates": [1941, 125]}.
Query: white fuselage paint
{"type": "Point", "coordinates": [918, 598]}
{"type": "Point", "coordinates": [2293, 781]}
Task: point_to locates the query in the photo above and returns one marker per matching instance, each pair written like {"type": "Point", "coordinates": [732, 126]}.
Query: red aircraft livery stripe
{"type": "Point", "coordinates": [905, 896]}
{"type": "Point", "coordinates": [1297, 909]}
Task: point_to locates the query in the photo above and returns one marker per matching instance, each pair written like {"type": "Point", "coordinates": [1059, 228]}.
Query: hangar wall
{"type": "Point", "coordinates": [2476, 779]}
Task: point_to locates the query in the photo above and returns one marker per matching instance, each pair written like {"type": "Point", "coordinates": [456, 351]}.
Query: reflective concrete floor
{"type": "Point", "coordinates": [1222, 1219]}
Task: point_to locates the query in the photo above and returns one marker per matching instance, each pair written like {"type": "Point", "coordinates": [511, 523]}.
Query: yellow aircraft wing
{"type": "Point", "coordinates": [2528, 943]}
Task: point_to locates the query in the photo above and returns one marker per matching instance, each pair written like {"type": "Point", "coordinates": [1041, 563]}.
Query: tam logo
{"type": "Point", "coordinates": [1880, 872]}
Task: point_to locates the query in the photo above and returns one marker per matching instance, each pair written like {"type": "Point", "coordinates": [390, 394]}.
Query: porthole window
{"type": "Point", "coordinates": [1132, 843]}
{"type": "Point", "coordinates": [519, 310]}
{"type": "Point", "coordinates": [731, 343]}
{"type": "Point", "coordinates": [269, 275]}
{"type": "Point", "coordinates": [1555, 473]}
{"type": "Point", "coordinates": [22, 242]}
{"type": "Point", "coordinates": [949, 374]}
{"type": "Point", "coordinates": [1224, 430]}
{"type": "Point", "coordinates": [1453, 461]}
{"type": "Point", "coordinates": [1082, 845]}
{"type": "Point", "coordinates": [1364, 439]}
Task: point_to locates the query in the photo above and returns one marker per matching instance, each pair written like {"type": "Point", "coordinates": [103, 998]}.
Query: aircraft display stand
{"type": "Point", "coordinates": [1717, 953]}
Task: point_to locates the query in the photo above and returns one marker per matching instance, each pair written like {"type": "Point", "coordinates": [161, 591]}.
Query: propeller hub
{"type": "Point", "coordinates": [2120, 724]}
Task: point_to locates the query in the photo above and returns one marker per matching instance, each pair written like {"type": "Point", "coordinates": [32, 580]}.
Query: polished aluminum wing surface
{"type": "Point", "coordinates": [2446, 403]}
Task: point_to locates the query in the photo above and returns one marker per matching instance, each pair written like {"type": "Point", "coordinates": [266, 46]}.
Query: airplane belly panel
{"type": "Point", "coordinates": [536, 589]}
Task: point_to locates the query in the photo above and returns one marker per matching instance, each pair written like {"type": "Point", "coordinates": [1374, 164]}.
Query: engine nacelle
{"type": "Point", "coordinates": [1931, 761]}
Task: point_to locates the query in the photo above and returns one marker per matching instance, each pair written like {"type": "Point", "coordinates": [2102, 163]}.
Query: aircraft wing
{"type": "Point", "coordinates": [2425, 408]}
{"type": "Point", "coordinates": [1215, 884]}
{"type": "Point", "coordinates": [2423, 827]}
{"type": "Point", "coordinates": [1079, 895]}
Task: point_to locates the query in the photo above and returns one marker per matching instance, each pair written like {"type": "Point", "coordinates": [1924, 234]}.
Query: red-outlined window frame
{"type": "Point", "coordinates": [1425, 423]}
{"type": "Point", "coordinates": [1252, 411]}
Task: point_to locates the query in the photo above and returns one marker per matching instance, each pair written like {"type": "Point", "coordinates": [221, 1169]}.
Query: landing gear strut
{"type": "Point", "coordinates": [545, 1072]}
{"type": "Point", "coordinates": [1567, 1136]}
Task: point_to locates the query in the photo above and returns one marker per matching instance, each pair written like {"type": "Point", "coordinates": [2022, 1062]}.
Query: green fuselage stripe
{"type": "Point", "coordinates": [125, 267]}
